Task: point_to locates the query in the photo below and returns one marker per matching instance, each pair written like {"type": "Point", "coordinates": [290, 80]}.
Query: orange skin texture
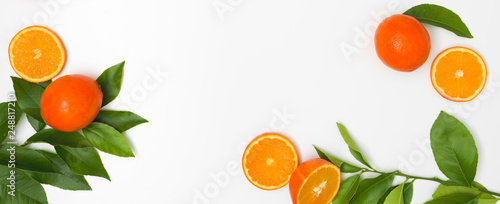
{"type": "Point", "coordinates": [71, 102]}
{"type": "Point", "coordinates": [302, 172]}
{"type": "Point", "coordinates": [402, 43]}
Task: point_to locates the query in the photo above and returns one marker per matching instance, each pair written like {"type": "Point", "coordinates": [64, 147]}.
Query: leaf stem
{"type": "Point", "coordinates": [435, 179]}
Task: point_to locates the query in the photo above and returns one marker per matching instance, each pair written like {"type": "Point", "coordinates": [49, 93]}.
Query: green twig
{"type": "Point", "coordinates": [435, 179]}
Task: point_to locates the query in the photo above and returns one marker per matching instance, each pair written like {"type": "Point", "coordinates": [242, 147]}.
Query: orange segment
{"type": "Point", "coordinates": [315, 181]}
{"type": "Point", "coordinates": [458, 74]}
{"type": "Point", "coordinates": [269, 161]}
{"type": "Point", "coordinates": [36, 54]}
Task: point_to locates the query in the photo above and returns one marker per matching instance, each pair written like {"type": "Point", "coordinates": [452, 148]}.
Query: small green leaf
{"type": "Point", "coordinates": [83, 161]}
{"type": "Point", "coordinates": [65, 180]}
{"type": "Point", "coordinates": [111, 82]}
{"type": "Point", "coordinates": [408, 192]}
{"type": "Point", "coordinates": [37, 125]}
{"type": "Point", "coordinates": [349, 168]}
{"type": "Point", "coordinates": [9, 110]}
{"type": "Point", "coordinates": [328, 157]}
{"type": "Point", "coordinates": [107, 139]}
{"type": "Point", "coordinates": [45, 83]}
{"type": "Point", "coordinates": [455, 199]}
{"type": "Point", "coordinates": [353, 147]}
{"type": "Point", "coordinates": [27, 190]}
{"type": "Point", "coordinates": [395, 196]}
{"type": "Point", "coordinates": [28, 96]}
{"type": "Point", "coordinates": [25, 158]}
{"type": "Point", "coordinates": [347, 190]}
{"type": "Point", "coordinates": [120, 120]}
{"type": "Point", "coordinates": [55, 137]}
{"type": "Point", "coordinates": [371, 190]}
{"type": "Point", "coordinates": [454, 149]}
{"type": "Point", "coordinates": [359, 157]}
{"type": "Point", "coordinates": [441, 17]}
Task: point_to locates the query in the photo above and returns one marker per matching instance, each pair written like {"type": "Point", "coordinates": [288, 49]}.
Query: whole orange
{"type": "Point", "coordinates": [402, 43]}
{"type": "Point", "coordinates": [71, 102]}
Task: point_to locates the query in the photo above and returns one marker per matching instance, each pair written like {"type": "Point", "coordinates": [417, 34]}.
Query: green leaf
{"type": "Point", "coordinates": [441, 17]}
{"type": "Point", "coordinates": [444, 190]}
{"type": "Point", "coordinates": [349, 168]}
{"type": "Point", "coordinates": [328, 157]}
{"type": "Point", "coordinates": [45, 83]}
{"type": "Point", "coordinates": [27, 190]}
{"type": "Point", "coordinates": [353, 147]}
{"type": "Point", "coordinates": [65, 180]}
{"type": "Point", "coordinates": [383, 197]}
{"type": "Point", "coordinates": [408, 192]}
{"type": "Point", "coordinates": [28, 96]}
{"type": "Point", "coordinates": [120, 120]}
{"type": "Point", "coordinates": [25, 158]}
{"type": "Point", "coordinates": [395, 196]}
{"type": "Point", "coordinates": [455, 199]}
{"type": "Point", "coordinates": [111, 82]}
{"type": "Point", "coordinates": [371, 190]}
{"type": "Point", "coordinates": [107, 139]}
{"type": "Point", "coordinates": [8, 109]}
{"type": "Point", "coordinates": [37, 125]}
{"type": "Point", "coordinates": [454, 149]}
{"type": "Point", "coordinates": [347, 190]}
{"type": "Point", "coordinates": [83, 161]}
{"type": "Point", "coordinates": [55, 137]}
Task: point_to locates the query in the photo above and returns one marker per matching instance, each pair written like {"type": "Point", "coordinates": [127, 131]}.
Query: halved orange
{"type": "Point", "coordinates": [269, 161]}
{"type": "Point", "coordinates": [458, 74]}
{"type": "Point", "coordinates": [315, 181]}
{"type": "Point", "coordinates": [36, 54]}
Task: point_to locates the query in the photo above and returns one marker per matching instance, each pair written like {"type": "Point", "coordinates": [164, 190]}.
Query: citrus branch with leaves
{"type": "Point", "coordinates": [455, 153]}
{"type": "Point", "coordinates": [75, 154]}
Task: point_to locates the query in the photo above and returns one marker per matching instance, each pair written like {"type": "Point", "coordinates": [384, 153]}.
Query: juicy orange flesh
{"type": "Point", "coordinates": [320, 186]}
{"type": "Point", "coordinates": [459, 76]}
{"type": "Point", "coordinates": [270, 162]}
{"type": "Point", "coordinates": [35, 54]}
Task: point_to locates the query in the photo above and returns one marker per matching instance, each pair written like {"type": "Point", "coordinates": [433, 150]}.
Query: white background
{"type": "Point", "coordinates": [210, 80]}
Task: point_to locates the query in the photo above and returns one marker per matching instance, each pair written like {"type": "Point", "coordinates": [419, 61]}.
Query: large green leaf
{"type": "Point", "coordinates": [444, 190]}
{"type": "Point", "coordinates": [347, 190]}
{"type": "Point", "coordinates": [45, 83]}
{"type": "Point", "coordinates": [353, 147]}
{"type": "Point", "coordinates": [27, 190]}
{"type": "Point", "coordinates": [37, 125]}
{"type": "Point", "coordinates": [9, 111]}
{"type": "Point", "coordinates": [25, 158]}
{"type": "Point", "coordinates": [83, 161]}
{"type": "Point", "coordinates": [454, 149]}
{"type": "Point", "coordinates": [111, 82]}
{"type": "Point", "coordinates": [455, 199]}
{"type": "Point", "coordinates": [395, 196]}
{"type": "Point", "coordinates": [28, 96]}
{"type": "Point", "coordinates": [120, 120]}
{"type": "Point", "coordinates": [441, 17]}
{"type": "Point", "coordinates": [371, 190]}
{"type": "Point", "coordinates": [65, 180]}
{"type": "Point", "coordinates": [107, 139]}
{"type": "Point", "coordinates": [55, 137]}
